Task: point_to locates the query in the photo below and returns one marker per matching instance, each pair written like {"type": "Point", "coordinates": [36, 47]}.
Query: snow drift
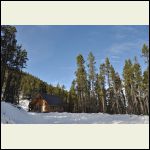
{"type": "Point", "coordinates": [18, 115]}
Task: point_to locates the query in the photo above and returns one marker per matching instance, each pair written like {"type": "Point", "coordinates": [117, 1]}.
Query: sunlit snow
{"type": "Point", "coordinates": [19, 115]}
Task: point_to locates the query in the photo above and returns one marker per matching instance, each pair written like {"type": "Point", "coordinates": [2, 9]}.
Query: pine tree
{"type": "Point", "coordinates": [128, 85]}
{"type": "Point", "coordinates": [119, 105]}
{"type": "Point", "coordinates": [8, 48]}
{"type": "Point", "coordinates": [109, 91]}
{"type": "Point", "coordinates": [107, 69]}
{"type": "Point", "coordinates": [137, 88]}
{"type": "Point", "coordinates": [42, 87]}
{"type": "Point", "coordinates": [97, 93]}
{"type": "Point", "coordinates": [81, 80]}
{"type": "Point", "coordinates": [116, 98]}
{"type": "Point", "coordinates": [13, 59]}
{"type": "Point", "coordinates": [73, 102]}
{"type": "Point", "coordinates": [102, 92]}
{"type": "Point", "coordinates": [145, 90]}
{"type": "Point", "coordinates": [92, 79]}
{"type": "Point", "coordinates": [145, 53]}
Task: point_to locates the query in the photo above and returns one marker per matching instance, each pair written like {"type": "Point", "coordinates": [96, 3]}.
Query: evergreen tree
{"type": "Point", "coordinates": [92, 80]}
{"type": "Point", "coordinates": [97, 93]}
{"type": "Point", "coordinates": [107, 69]}
{"type": "Point", "coordinates": [111, 101]}
{"type": "Point", "coordinates": [128, 85]}
{"type": "Point", "coordinates": [8, 48]}
{"type": "Point", "coordinates": [145, 53]}
{"type": "Point", "coordinates": [102, 92]}
{"type": "Point", "coordinates": [109, 89]}
{"type": "Point", "coordinates": [82, 84]}
{"type": "Point", "coordinates": [145, 90]}
{"type": "Point", "coordinates": [13, 59]}
{"type": "Point", "coordinates": [119, 104]}
{"type": "Point", "coordinates": [42, 87]}
{"type": "Point", "coordinates": [137, 87]}
{"type": "Point", "coordinates": [73, 102]}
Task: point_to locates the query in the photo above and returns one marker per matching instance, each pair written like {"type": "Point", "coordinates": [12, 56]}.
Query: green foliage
{"type": "Point", "coordinates": [111, 94]}
{"type": "Point", "coordinates": [13, 59]}
{"type": "Point", "coordinates": [92, 83]}
{"type": "Point", "coordinates": [82, 83]}
{"type": "Point", "coordinates": [145, 52]}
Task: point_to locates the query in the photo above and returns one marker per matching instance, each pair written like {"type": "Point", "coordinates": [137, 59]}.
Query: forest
{"type": "Point", "coordinates": [90, 92]}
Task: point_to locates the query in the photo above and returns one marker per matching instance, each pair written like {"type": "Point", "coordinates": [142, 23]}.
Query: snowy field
{"type": "Point", "coordinates": [19, 115]}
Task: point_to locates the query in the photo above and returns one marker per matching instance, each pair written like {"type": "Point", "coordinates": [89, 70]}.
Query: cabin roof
{"type": "Point", "coordinates": [52, 99]}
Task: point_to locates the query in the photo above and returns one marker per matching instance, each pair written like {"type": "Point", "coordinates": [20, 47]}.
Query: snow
{"type": "Point", "coordinates": [24, 104]}
{"type": "Point", "coordinates": [19, 115]}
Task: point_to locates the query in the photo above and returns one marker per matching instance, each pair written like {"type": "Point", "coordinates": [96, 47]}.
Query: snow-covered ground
{"type": "Point", "coordinates": [24, 104]}
{"type": "Point", "coordinates": [19, 115]}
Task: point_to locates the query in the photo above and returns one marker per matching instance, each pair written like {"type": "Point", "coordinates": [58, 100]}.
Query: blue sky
{"type": "Point", "coordinates": [52, 50]}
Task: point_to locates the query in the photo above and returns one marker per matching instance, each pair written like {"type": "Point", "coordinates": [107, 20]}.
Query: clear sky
{"type": "Point", "coordinates": [52, 50]}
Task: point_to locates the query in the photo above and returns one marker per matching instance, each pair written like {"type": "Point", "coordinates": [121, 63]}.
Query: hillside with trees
{"type": "Point", "coordinates": [15, 82]}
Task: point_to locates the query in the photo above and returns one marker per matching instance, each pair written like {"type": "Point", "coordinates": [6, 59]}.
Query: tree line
{"type": "Point", "coordinates": [106, 92]}
{"type": "Point", "coordinates": [90, 92]}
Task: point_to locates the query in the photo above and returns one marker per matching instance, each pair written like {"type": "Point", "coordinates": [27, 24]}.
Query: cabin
{"type": "Point", "coordinates": [46, 103]}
